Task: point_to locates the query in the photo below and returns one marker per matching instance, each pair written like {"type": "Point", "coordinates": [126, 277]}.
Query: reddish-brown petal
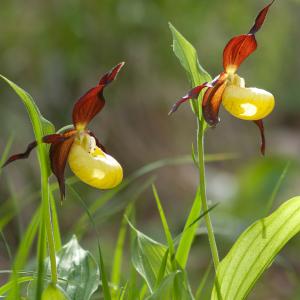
{"type": "Point", "coordinates": [192, 94]}
{"type": "Point", "coordinates": [91, 103]}
{"type": "Point", "coordinates": [260, 125]}
{"type": "Point", "coordinates": [259, 21]}
{"type": "Point", "coordinates": [23, 155]}
{"type": "Point", "coordinates": [237, 50]}
{"type": "Point", "coordinates": [59, 152]}
{"type": "Point", "coordinates": [241, 46]}
{"type": "Point", "coordinates": [211, 103]}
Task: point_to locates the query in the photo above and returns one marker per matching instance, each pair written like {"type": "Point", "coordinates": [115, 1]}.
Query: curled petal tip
{"type": "Point", "coordinates": [192, 94]}
{"type": "Point", "coordinates": [111, 75]}
{"type": "Point", "coordinates": [260, 18]}
{"type": "Point", "coordinates": [22, 155]}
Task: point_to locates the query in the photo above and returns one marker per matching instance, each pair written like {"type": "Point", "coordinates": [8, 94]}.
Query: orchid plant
{"type": "Point", "coordinates": [79, 146]}
{"type": "Point", "coordinates": [68, 272]}
{"type": "Point", "coordinates": [228, 87]}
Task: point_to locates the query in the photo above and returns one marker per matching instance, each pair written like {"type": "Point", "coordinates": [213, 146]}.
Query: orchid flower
{"type": "Point", "coordinates": [87, 158]}
{"type": "Point", "coordinates": [229, 88]}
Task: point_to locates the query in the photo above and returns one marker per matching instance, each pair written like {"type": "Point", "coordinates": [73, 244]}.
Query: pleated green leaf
{"type": "Point", "coordinates": [255, 250]}
{"type": "Point", "coordinates": [78, 273]}
{"type": "Point", "coordinates": [147, 256]}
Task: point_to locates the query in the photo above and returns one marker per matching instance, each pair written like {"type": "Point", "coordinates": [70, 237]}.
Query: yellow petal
{"type": "Point", "coordinates": [248, 103]}
{"type": "Point", "coordinates": [93, 166]}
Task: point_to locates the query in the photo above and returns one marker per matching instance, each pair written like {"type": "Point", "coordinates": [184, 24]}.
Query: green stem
{"type": "Point", "coordinates": [46, 214]}
{"type": "Point", "coordinates": [50, 238]}
{"type": "Point", "coordinates": [201, 166]}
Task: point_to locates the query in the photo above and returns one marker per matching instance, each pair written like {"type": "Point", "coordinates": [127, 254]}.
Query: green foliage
{"type": "Point", "coordinates": [188, 58]}
{"type": "Point", "coordinates": [77, 270]}
{"type": "Point", "coordinates": [40, 126]}
{"type": "Point", "coordinates": [147, 256]}
{"type": "Point", "coordinates": [53, 293]}
{"type": "Point", "coordinates": [187, 55]}
{"type": "Point", "coordinates": [255, 250]}
{"type": "Point", "coordinates": [189, 232]}
{"type": "Point", "coordinates": [173, 287]}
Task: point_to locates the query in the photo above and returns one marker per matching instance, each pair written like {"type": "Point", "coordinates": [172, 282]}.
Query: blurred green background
{"type": "Point", "coordinates": [58, 49]}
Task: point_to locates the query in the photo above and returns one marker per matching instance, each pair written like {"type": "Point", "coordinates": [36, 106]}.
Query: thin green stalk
{"type": "Point", "coordinates": [51, 243]}
{"type": "Point", "coordinates": [47, 226]}
{"type": "Point", "coordinates": [201, 166]}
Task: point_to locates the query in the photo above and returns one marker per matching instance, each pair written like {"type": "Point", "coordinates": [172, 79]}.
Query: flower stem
{"type": "Point", "coordinates": [201, 166]}
{"type": "Point", "coordinates": [50, 239]}
{"type": "Point", "coordinates": [46, 213]}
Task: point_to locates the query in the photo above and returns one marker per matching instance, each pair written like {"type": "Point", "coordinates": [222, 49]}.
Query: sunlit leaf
{"type": "Point", "coordinates": [255, 251]}
{"type": "Point", "coordinates": [188, 58]}
{"type": "Point", "coordinates": [173, 287]}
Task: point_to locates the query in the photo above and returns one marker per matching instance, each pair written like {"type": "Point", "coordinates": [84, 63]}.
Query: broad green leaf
{"type": "Point", "coordinates": [78, 273]}
{"type": "Point", "coordinates": [41, 125]}
{"type": "Point", "coordinates": [255, 250]}
{"type": "Point", "coordinates": [188, 58]}
{"type": "Point", "coordinates": [147, 256]}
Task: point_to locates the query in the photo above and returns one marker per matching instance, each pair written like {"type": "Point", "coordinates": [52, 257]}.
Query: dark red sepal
{"type": "Point", "coordinates": [260, 125]}
{"type": "Point", "coordinates": [192, 94]}
{"type": "Point", "coordinates": [111, 75]}
{"type": "Point", "coordinates": [241, 46]}
{"type": "Point", "coordinates": [23, 155]}
{"type": "Point", "coordinates": [92, 102]}
{"type": "Point", "coordinates": [58, 137]}
{"type": "Point", "coordinates": [212, 100]}
{"type": "Point", "coordinates": [59, 152]}
{"type": "Point", "coordinates": [259, 21]}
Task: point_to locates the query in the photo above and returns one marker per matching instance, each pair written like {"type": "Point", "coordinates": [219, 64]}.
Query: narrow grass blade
{"type": "Point", "coordinates": [203, 283]}
{"type": "Point", "coordinates": [165, 226]}
{"type": "Point", "coordinates": [118, 255]}
{"type": "Point", "coordinates": [277, 187]}
{"type": "Point", "coordinates": [6, 151]}
{"type": "Point", "coordinates": [162, 269]}
{"type": "Point", "coordinates": [22, 254]}
{"type": "Point", "coordinates": [188, 236]}
{"type": "Point", "coordinates": [180, 160]}
{"type": "Point", "coordinates": [5, 288]}
{"type": "Point", "coordinates": [7, 247]}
